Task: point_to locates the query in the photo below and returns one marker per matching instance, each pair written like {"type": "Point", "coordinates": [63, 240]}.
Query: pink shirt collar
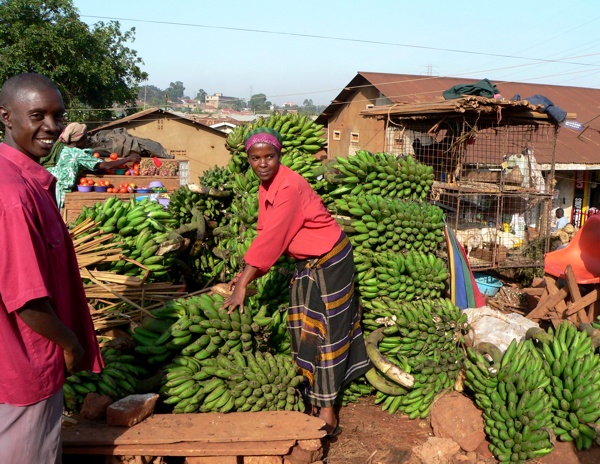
{"type": "Point", "coordinates": [35, 170]}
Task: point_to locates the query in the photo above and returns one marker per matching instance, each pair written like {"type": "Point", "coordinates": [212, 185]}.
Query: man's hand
{"type": "Point", "coordinates": [73, 358]}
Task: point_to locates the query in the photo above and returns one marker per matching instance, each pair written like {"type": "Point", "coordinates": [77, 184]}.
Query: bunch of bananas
{"type": "Point", "coordinates": [422, 339]}
{"type": "Point", "coordinates": [237, 382]}
{"type": "Point", "coordinates": [217, 178]}
{"type": "Point", "coordinates": [297, 132]}
{"type": "Point", "coordinates": [118, 379]}
{"type": "Point", "coordinates": [184, 201]}
{"type": "Point", "coordinates": [307, 166]}
{"type": "Point", "coordinates": [382, 224]}
{"type": "Point", "coordinates": [415, 327]}
{"type": "Point", "coordinates": [512, 393]}
{"type": "Point", "coordinates": [573, 367]}
{"type": "Point", "coordinates": [380, 174]}
{"type": "Point", "coordinates": [143, 230]}
{"type": "Point", "coordinates": [354, 390]}
{"type": "Point", "coordinates": [202, 329]}
{"type": "Point", "coordinates": [246, 183]}
{"type": "Point", "coordinates": [400, 276]}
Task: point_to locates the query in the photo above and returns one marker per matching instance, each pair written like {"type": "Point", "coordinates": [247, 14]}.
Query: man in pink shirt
{"type": "Point", "coordinates": [45, 325]}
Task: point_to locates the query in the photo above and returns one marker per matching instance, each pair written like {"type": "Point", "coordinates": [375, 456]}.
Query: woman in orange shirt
{"type": "Point", "coordinates": [323, 320]}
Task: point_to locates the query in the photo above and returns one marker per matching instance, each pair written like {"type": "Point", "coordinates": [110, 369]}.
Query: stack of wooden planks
{"type": "Point", "coordinates": [561, 298]}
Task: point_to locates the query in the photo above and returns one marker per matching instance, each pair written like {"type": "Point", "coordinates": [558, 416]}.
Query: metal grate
{"type": "Point", "coordinates": [488, 178]}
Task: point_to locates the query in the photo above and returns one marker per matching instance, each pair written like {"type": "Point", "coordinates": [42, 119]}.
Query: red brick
{"type": "Point", "coordinates": [131, 409]}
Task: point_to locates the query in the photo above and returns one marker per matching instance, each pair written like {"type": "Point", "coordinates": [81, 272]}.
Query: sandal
{"type": "Point", "coordinates": [334, 433]}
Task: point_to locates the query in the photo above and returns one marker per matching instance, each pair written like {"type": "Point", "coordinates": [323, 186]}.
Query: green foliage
{"type": "Point", "coordinates": [175, 91]}
{"type": "Point", "coordinates": [258, 103]}
{"type": "Point", "coordinates": [92, 66]}
{"type": "Point", "coordinates": [535, 250]}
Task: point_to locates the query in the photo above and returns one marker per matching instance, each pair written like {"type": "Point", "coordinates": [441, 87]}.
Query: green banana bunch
{"type": "Point", "coordinates": [217, 178]}
{"type": "Point", "coordinates": [142, 230]}
{"type": "Point", "coordinates": [379, 174]}
{"type": "Point", "coordinates": [512, 393]}
{"type": "Point", "coordinates": [382, 223]}
{"type": "Point", "coordinates": [183, 203]}
{"type": "Point", "coordinates": [199, 327]}
{"type": "Point", "coordinates": [117, 379]}
{"type": "Point", "coordinates": [235, 382]}
{"type": "Point", "coordinates": [308, 167]}
{"type": "Point", "coordinates": [399, 276]}
{"type": "Point", "coordinates": [297, 132]}
{"type": "Point", "coordinates": [422, 338]}
{"type": "Point", "coordinates": [573, 367]}
{"type": "Point", "coordinates": [352, 392]}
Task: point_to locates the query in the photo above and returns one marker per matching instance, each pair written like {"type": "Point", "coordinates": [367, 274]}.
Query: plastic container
{"type": "Point", "coordinates": [155, 184]}
{"type": "Point", "coordinates": [85, 188]}
{"type": "Point", "coordinates": [120, 172]}
{"type": "Point", "coordinates": [487, 284]}
{"type": "Point", "coordinates": [143, 190]}
{"type": "Point", "coordinates": [164, 201]}
{"type": "Point", "coordinates": [99, 188]}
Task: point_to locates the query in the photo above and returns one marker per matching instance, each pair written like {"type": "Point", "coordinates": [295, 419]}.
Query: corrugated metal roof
{"type": "Point", "coordinates": [406, 88]}
{"type": "Point", "coordinates": [141, 114]}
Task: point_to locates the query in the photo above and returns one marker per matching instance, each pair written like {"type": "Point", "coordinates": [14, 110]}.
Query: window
{"type": "Point", "coordinates": [337, 135]}
{"type": "Point", "coordinates": [353, 137]}
{"type": "Point", "coordinates": [159, 123]}
{"type": "Point", "coordinates": [184, 172]}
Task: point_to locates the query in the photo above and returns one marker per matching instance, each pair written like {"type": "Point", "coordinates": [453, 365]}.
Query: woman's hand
{"type": "Point", "coordinates": [239, 284]}
{"type": "Point", "coordinates": [237, 297]}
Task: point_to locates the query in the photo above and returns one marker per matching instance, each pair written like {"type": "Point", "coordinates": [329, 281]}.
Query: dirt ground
{"type": "Point", "coordinates": [371, 436]}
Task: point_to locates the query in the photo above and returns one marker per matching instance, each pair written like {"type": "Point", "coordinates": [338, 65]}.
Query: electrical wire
{"type": "Point", "coordinates": [344, 39]}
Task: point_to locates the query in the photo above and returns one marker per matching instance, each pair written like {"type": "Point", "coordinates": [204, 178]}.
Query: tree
{"type": "Point", "coordinates": [239, 104]}
{"type": "Point", "coordinates": [175, 91]}
{"type": "Point", "coordinates": [308, 102]}
{"type": "Point", "coordinates": [259, 103]}
{"type": "Point", "coordinates": [92, 66]}
{"type": "Point", "coordinates": [201, 96]}
{"type": "Point", "coordinates": [151, 95]}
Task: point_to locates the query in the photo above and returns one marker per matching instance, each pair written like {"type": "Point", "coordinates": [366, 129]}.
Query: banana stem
{"type": "Point", "coordinates": [492, 350]}
{"type": "Point", "coordinates": [391, 371]}
{"type": "Point", "coordinates": [384, 385]}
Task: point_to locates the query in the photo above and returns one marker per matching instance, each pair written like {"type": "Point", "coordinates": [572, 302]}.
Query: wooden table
{"type": "Point", "coordinates": [204, 438]}
{"type": "Point", "coordinates": [75, 201]}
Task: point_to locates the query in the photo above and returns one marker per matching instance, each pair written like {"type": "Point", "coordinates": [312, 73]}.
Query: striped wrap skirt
{"type": "Point", "coordinates": [324, 324]}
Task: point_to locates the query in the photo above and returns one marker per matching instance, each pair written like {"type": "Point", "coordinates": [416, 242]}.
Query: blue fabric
{"type": "Point", "coordinates": [556, 113]}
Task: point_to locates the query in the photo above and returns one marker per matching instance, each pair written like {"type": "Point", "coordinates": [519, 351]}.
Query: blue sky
{"type": "Point", "coordinates": [290, 68]}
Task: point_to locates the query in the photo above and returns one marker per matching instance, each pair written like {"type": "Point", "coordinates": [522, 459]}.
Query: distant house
{"type": "Point", "coordinates": [577, 159]}
{"type": "Point", "coordinates": [218, 100]}
{"type": "Point", "coordinates": [195, 145]}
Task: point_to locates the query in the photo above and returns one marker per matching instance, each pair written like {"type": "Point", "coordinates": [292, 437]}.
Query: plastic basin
{"type": "Point", "coordinates": [98, 188]}
{"type": "Point", "coordinates": [487, 284]}
{"type": "Point", "coordinates": [120, 172]}
{"type": "Point", "coordinates": [85, 188]}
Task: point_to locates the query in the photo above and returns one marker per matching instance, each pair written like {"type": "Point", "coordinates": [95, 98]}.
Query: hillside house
{"type": "Point", "coordinates": [196, 146]}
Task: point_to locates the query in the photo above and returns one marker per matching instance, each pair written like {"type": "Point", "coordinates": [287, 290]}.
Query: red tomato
{"type": "Point", "coordinates": [113, 156]}
{"type": "Point", "coordinates": [96, 154]}
{"type": "Point", "coordinates": [123, 190]}
{"type": "Point", "coordinates": [83, 181]}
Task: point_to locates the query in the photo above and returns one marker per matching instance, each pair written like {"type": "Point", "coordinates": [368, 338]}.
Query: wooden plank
{"type": "Point", "coordinates": [572, 283]}
{"type": "Point", "coordinates": [205, 428]}
{"type": "Point", "coordinates": [554, 301]}
{"type": "Point", "coordinates": [534, 291]}
{"type": "Point", "coordinates": [264, 447]}
{"type": "Point", "coordinates": [582, 302]}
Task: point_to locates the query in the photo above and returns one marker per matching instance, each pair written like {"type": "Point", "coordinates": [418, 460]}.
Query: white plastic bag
{"type": "Point", "coordinates": [489, 325]}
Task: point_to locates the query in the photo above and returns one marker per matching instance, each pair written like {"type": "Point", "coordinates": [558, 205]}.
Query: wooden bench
{"type": "Point", "coordinates": [236, 438]}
